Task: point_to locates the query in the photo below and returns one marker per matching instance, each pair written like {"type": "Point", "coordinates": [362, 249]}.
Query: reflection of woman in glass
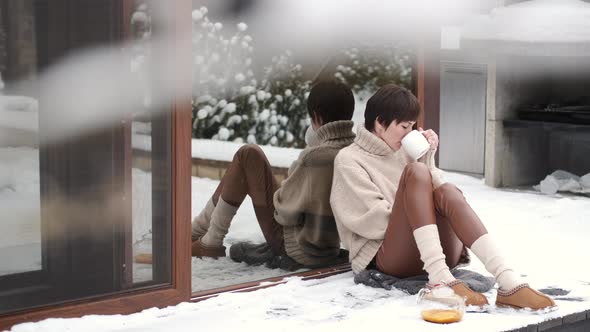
{"type": "Point", "coordinates": [295, 216]}
{"type": "Point", "coordinates": [401, 218]}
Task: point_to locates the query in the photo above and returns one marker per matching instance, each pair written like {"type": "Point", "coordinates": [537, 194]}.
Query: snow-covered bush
{"type": "Point", "coordinates": [368, 67]}
{"type": "Point", "coordinates": [230, 104]}
{"type": "Point", "coordinates": [223, 79]}
{"type": "Point", "coordinates": [272, 112]}
{"type": "Point", "coordinates": [284, 118]}
{"type": "Point", "coordinates": [222, 59]}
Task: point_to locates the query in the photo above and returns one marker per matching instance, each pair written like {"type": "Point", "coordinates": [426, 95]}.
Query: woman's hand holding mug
{"type": "Point", "coordinates": [415, 144]}
{"type": "Point", "coordinates": [431, 137]}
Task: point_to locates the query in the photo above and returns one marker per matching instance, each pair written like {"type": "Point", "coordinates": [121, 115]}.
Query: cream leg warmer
{"type": "Point", "coordinates": [200, 224]}
{"type": "Point", "coordinates": [431, 253]}
{"type": "Point", "coordinates": [220, 221]}
{"type": "Point", "coordinates": [485, 249]}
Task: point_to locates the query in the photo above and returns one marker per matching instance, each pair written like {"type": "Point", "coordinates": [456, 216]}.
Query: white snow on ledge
{"type": "Point", "coordinates": [19, 120]}
{"type": "Point", "coordinates": [224, 151]}
{"type": "Point", "coordinates": [19, 112]}
{"type": "Point", "coordinates": [556, 21]}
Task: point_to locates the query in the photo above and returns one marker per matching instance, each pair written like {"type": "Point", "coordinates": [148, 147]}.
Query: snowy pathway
{"type": "Point", "coordinates": [544, 236]}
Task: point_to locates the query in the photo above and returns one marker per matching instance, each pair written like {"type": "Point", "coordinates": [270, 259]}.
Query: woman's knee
{"type": "Point", "coordinates": [418, 172]}
{"type": "Point", "coordinates": [250, 148]}
{"type": "Point", "coordinates": [449, 193]}
{"type": "Point", "coordinates": [250, 151]}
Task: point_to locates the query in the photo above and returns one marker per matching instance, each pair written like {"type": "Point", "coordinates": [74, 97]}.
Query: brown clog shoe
{"type": "Point", "coordinates": [471, 297]}
{"type": "Point", "coordinates": [523, 296]}
{"type": "Point", "coordinates": [199, 249]}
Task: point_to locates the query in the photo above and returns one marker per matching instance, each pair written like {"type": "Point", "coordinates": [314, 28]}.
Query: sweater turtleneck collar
{"type": "Point", "coordinates": [335, 130]}
{"type": "Point", "coordinates": [371, 142]}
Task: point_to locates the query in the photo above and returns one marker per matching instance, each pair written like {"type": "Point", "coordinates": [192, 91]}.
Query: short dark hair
{"type": "Point", "coordinates": [391, 103]}
{"type": "Point", "coordinates": [331, 100]}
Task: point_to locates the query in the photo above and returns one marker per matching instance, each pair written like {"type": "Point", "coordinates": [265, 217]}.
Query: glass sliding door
{"type": "Point", "coordinates": [77, 203]}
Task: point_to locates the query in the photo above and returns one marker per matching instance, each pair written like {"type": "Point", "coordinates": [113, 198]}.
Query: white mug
{"type": "Point", "coordinates": [415, 144]}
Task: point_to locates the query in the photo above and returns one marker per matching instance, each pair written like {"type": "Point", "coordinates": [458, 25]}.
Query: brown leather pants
{"type": "Point", "coordinates": [250, 174]}
{"type": "Point", "coordinates": [416, 205]}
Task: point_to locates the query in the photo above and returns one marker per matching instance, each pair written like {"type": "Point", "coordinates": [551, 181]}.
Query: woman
{"type": "Point", "coordinates": [400, 217]}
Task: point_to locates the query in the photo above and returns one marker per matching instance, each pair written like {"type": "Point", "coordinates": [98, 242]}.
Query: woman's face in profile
{"type": "Point", "coordinates": [394, 133]}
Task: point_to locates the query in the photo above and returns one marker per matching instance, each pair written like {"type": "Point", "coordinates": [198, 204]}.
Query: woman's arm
{"type": "Point", "coordinates": [358, 204]}
{"type": "Point", "coordinates": [437, 174]}
{"type": "Point", "coordinates": [428, 159]}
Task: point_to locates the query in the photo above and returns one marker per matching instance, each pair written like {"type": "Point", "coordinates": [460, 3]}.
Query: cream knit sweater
{"type": "Point", "coordinates": [366, 178]}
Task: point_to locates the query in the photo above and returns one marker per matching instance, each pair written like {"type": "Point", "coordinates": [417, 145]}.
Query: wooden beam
{"type": "Point", "coordinates": [181, 149]}
{"type": "Point", "coordinates": [428, 83]}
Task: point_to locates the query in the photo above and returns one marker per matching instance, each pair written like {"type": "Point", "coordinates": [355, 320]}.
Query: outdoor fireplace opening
{"type": "Point", "coordinates": [547, 122]}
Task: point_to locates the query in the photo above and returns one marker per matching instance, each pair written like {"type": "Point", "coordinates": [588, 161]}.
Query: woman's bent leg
{"type": "Point", "coordinates": [452, 246]}
{"type": "Point", "coordinates": [413, 209]}
{"type": "Point", "coordinates": [250, 174]}
{"type": "Point", "coordinates": [512, 291]}
{"type": "Point", "coordinates": [202, 221]}
{"type": "Point", "coordinates": [451, 203]}
{"type": "Point", "coordinates": [412, 236]}
{"type": "Point", "coordinates": [452, 206]}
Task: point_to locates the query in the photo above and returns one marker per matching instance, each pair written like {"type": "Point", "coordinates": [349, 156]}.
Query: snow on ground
{"type": "Point", "coordinates": [544, 236]}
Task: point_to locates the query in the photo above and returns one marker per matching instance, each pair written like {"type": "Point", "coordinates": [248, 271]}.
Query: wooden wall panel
{"type": "Point", "coordinates": [428, 82]}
